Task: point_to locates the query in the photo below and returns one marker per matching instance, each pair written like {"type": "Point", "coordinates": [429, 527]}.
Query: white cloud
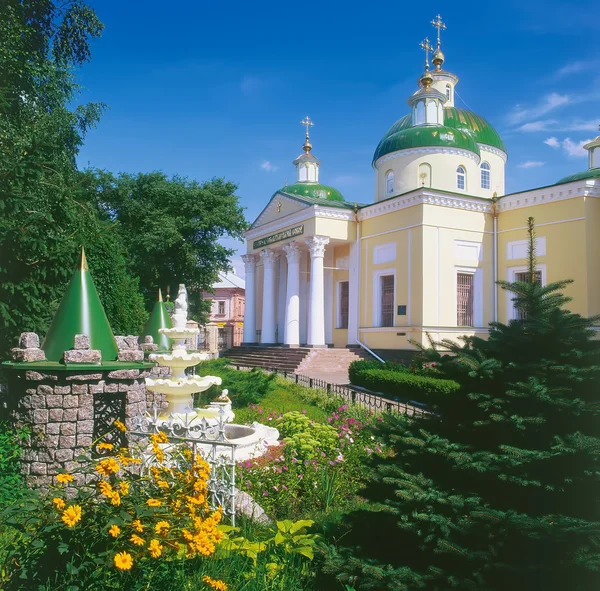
{"type": "Point", "coordinates": [345, 179]}
{"type": "Point", "coordinates": [575, 148]}
{"type": "Point", "coordinates": [554, 125]}
{"type": "Point", "coordinates": [546, 104]}
{"type": "Point", "coordinates": [552, 142]}
{"type": "Point", "coordinates": [530, 164]}
{"type": "Point", "coordinates": [268, 166]}
{"type": "Point", "coordinates": [573, 68]}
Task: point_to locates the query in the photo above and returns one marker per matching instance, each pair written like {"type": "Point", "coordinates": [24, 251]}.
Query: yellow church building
{"type": "Point", "coordinates": [425, 255]}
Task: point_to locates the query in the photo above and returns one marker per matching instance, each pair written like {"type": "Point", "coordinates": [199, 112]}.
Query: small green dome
{"type": "Point", "coordinates": [314, 191]}
{"type": "Point", "coordinates": [468, 129]}
{"type": "Point", "coordinates": [592, 173]}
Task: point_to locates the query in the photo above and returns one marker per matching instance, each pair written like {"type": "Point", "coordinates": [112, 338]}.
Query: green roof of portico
{"type": "Point", "coordinates": [462, 129]}
{"type": "Point", "coordinates": [313, 190]}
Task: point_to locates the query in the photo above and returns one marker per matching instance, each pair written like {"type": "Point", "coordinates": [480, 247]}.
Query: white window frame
{"type": "Point", "coordinates": [376, 320]}
{"type": "Point", "coordinates": [338, 307]}
{"type": "Point", "coordinates": [488, 172]}
{"type": "Point", "coordinates": [477, 273]}
{"type": "Point", "coordinates": [460, 175]}
{"type": "Point", "coordinates": [510, 277]}
{"type": "Point", "coordinates": [389, 176]}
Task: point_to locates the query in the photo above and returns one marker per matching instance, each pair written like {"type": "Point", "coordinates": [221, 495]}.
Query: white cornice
{"type": "Point", "coordinates": [493, 150]}
{"type": "Point", "coordinates": [427, 150]}
{"type": "Point", "coordinates": [309, 212]}
{"type": "Point", "coordinates": [552, 194]}
{"type": "Point", "coordinates": [427, 197]}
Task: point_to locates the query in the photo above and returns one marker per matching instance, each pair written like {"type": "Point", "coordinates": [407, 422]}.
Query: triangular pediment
{"type": "Point", "coordinates": [279, 207]}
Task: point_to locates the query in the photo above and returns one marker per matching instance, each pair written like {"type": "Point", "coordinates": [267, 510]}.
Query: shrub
{"type": "Point", "coordinates": [12, 485]}
{"type": "Point", "coordinates": [357, 367]}
{"type": "Point", "coordinates": [403, 384]}
{"type": "Point", "coordinates": [306, 437]}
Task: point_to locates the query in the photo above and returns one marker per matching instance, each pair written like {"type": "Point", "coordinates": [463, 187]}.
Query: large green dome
{"type": "Point", "coordinates": [462, 129]}
{"type": "Point", "coordinates": [313, 190]}
{"type": "Point", "coordinates": [592, 173]}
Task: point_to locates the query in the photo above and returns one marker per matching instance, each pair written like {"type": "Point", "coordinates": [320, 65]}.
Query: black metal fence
{"type": "Point", "coordinates": [349, 393]}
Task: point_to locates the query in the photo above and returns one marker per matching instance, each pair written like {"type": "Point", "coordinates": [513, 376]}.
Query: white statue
{"type": "Point", "coordinates": [181, 304]}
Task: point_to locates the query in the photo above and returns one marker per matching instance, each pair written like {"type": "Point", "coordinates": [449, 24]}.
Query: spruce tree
{"type": "Point", "coordinates": [499, 488]}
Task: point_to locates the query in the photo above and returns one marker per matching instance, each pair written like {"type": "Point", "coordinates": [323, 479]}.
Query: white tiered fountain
{"type": "Point", "coordinates": [179, 388]}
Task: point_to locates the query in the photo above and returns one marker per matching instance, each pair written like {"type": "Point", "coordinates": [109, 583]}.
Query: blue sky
{"type": "Point", "coordinates": [212, 89]}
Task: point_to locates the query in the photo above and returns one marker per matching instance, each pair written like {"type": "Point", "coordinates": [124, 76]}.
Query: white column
{"type": "Point", "coordinates": [328, 278]}
{"type": "Point", "coordinates": [268, 310]}
{"type": "Point", "coordinates": [303, 296]}
{"type": "Point", "coordinates": [292, 314]}
{"type": "Point", "coordinates": [281, 298]}
{"type": "Point", "coordinates": [316, 313]}
{"type": "Point", "coordinates": [250, 302]}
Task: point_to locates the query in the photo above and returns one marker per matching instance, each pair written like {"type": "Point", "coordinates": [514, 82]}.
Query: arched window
{"type": "Point", "coordinates": [460, 178]}
{"type": "Point", "coordinates": [485, 175]}
{"type": "Point", "coordinates": [389, 182]}
{"type": "Point", "coordinates": [448, 91]}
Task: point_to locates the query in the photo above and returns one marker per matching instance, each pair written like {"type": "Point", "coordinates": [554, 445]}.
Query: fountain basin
{"type": "Point", "coordinates": [185, 386]}
{"type": "Point", "coordinates": [179, 359]}
{"type": "Point", "coordinates": [179, 332]}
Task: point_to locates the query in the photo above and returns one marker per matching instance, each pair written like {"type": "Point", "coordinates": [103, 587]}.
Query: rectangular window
{"type": "Point", "coordinates": [524, 276]}
{"type": "Point", "coordinates": [221, 339]}
{"type": "Point", "coordinates": [344, 297]}
{"type": "Point", "coordinates": [221, 308]}
{"type": "Point", "coordinates": [387, 300]}
{"type": "Point", "coordinates": [464, 299]}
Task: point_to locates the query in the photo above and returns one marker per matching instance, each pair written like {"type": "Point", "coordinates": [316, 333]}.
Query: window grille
{"type": "Point", "coordinates": [460, 178]}
{"type": "Point", "coordinates": [221, 307]}
{"type": "Point", "coordinates": [221, 339]}
{"type": "Point", "coordinates": [486, 182]}
{"type": "Point", "coordinates": [524, 276]}
{"type": "Point", "coordinates": [387, 300]}
{"type": "Point", "coordinates": [344, 297]}
{"type": "Point", "coordinates": [464, 299]}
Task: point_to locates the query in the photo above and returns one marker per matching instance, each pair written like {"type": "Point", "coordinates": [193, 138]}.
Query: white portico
{"type": "Point", "coordinates": [290, 262]}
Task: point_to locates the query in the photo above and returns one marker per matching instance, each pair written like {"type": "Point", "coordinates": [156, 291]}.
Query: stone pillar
{"type": "Point", "coordinates": [269, 308]}
{"type": "Point", "coordinates": [316, 312]}
{"type": "Point", "coordinates": [281, 298]}
{"type": "Point", "coordinates": [292, 312]}
{"type": "Point", "coordinates": [250, 305]}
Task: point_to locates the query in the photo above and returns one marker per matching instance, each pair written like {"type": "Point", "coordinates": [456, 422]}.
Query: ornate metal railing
{"type": "Point", "coordinates": [203, 438]}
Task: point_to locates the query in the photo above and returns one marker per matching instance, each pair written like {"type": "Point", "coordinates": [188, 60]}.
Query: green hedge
{"type": "Point", "coordinates": [357, 367]}
{"type": "Point", "coordinates": [400, 383]}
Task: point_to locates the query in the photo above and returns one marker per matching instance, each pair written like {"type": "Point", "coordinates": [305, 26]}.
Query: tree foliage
{"type": "Point", "coordinates": [170, 228]}
{"type": "Point", "coordinates": [499, 490]}
{"type": "Point", "coordinates": [43, 220]}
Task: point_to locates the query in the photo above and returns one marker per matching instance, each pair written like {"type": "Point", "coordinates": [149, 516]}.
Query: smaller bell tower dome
{"type": "Point", "coordinates": [307, 164]}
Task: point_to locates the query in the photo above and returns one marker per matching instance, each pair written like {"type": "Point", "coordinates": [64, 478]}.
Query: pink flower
{"type": "Point", "coordinates": [275, 487]}
{"type": "Point", "coordinates": [304, 412]}
{"type": "Point", "coordinates": [285, 468]}
{"type": "Point", "coordinates": [284, 487]}
{"type": "Point", "coordinates": [299, 476]}
{"type": "Point", "coordinates": [265, 493]}
{"type": "Point", "coordinates": [340, 458]}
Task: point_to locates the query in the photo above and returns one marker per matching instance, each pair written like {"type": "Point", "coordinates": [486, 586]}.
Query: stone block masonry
{"type": "Point", "coordinates": [67, 408]}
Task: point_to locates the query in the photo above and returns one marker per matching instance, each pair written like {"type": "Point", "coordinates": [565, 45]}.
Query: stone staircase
{"type": "Point", "coordinates": [281, 358]}
{"type": "Point", "coordinates": [330, 365]}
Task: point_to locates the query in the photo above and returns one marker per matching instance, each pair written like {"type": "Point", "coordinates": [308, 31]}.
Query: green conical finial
{"type": "Point", "coordinates": [80, 312]}
{"type": "Point", "coordinates": [159, 319]}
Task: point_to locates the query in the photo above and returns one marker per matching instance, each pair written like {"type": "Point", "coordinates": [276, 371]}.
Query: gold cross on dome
{"type": "Point", "coordinates": [426, 46]}
{"type": "Point", "coordinates": [439, 25]}
{"type": "Point", "coordinates": [307, 123]}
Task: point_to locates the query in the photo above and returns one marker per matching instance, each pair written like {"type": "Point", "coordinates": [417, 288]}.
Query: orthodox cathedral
{"type": "Point", "coordinates": [425, 255]}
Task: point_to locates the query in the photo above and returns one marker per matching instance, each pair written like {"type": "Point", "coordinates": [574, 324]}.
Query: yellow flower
{"type": "Point", "coordinates": [162, 484]}
{"type": "Point", "coordinates": [136, 540]}
{"type": "Point", "coordinates": [71, 515]}
{"type": "Point", "coordinates": [64, 478]}
{"type": "Point", "coordinates": [108, 466]}
{"type": "Point", "coordinates": [59, 503]}
{"type": "Point", "coordinates": [137, 525]}
{"type": "Point", "coordinates": [114, 530]}
{"type": "Point", "coordinates": [106, 446]}
{"type": "Point", "coordinates": [124, 487]}
{"type": "Point", "coordinates": [121, 426]}
{"type": "Point", "coordinates": [214, 583]}
{"type": "Point", "coordinates": [115, 499]}
{"type": "Point", "coordinates": [105, 488]}
{"type": "Point", "coordinates": [162, 527]}
{"type": "Point", "coordinates": [155, 548]}
{"type": "Point", "coordinates": [153, 503]}
{"type": "Point", "coordinates": [123, 560]}
{"type": "Point", "coordinates": [160, 437]}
